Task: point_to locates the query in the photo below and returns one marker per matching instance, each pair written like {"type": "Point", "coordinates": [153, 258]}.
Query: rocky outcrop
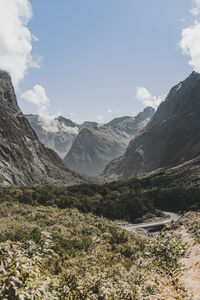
{"type": "Point", "coordinates": [172, 137]}
{"type": "Point", "coordinates": [23, 158]}
{"type": "Point", "coordinates": [95, 146]}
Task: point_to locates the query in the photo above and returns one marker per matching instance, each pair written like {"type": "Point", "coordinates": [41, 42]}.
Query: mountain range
{"type": "Point", "coordinates": [89, 147]}
{"type": "Point", "coordinates": [96, 146]}
{"type": "Point", "coordinates": [167, 141]}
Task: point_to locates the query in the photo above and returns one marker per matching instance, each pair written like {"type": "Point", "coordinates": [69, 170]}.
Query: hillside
{"type": "Point", "coordinates": [172, 137]}
{"type": "Point", "coordinates": [63, 254]}
{"type": "Point", "coordinates": [134, 200]}
{"type": "Point", "coordinates": [23, 158]}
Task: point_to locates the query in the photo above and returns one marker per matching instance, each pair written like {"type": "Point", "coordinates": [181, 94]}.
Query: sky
{"type": "Point", "coordinates": [97, 59]}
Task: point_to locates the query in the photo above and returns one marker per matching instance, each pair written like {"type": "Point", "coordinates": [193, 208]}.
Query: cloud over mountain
{"type": "Point", "coordinates": [38, 96]}
{"type": "Point", "coordinates": [145, 97]}
{"type": "Point", "coordinates": [190, 38]}
{"type": "Point", "coordinates": [16, 38]}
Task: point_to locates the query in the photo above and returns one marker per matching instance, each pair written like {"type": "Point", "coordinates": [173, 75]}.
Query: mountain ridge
{"type": "Point", "coordinates": [23, 159]}
{"type": "Point", "coordinates": [94, 147]}
{"type": "Point", "coordinates": [171, 137]}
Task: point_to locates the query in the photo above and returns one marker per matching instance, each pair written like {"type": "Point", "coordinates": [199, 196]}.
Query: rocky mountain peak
{"type": "Point", "coordinates": [5, 75]}
{"type": "Point", "coordinates": [89, 124]}
{"type": "Point", "coordinates": [148, 112]}
{"type": "Point", "coordinates": [7, 92]}
{"type": "Point", "coordinates": [23, 158]}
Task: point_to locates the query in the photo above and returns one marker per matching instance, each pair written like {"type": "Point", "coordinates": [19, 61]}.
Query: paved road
{"type": "Point", "coordinates": [172, 217]}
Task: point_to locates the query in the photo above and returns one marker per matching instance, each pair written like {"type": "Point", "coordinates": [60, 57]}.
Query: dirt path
{"type": "Point", "coordinates": [190, 276]}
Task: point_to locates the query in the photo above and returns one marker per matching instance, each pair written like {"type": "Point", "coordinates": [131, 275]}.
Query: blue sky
{"type": "Point", "coordinates": [97, 52]}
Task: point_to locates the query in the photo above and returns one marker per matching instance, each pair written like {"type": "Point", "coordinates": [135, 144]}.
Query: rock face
{"type": "Point", "coordinates": [95, 146]}
{"type": "Point", "coordinates": [23, 159]}
{"type": "Point", "coordinates": [117, 121]}
{"type": "Point", "coordinates": [88, 124]}
{"type": "Point", "coordinates": [57, 134]}
{"type": "Point", "coordinates": [172, 137]}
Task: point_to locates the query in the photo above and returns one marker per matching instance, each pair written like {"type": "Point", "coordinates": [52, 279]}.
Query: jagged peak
{"type": "Point", "coordinates": [194, 73]}
{"type": "Point", "coordinates": [5, 75]}
{"type": "Point", "coordinates": [149, 109]}
{"type": "Point", "coordinates": [7, 92]}
{"type": "Point", "coordinates": [148, 112]}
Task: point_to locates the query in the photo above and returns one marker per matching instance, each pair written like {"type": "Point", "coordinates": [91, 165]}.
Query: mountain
{"type": "Point", "coordinates": [116, 121]}
{"type": "Point", "coordinates": [57, 134]}
{"type": "Point", "coordinates": [23, 158]}
{"type": "Point", "coordinates": [95, 146]}
{"type": "Point", "coordinates": [172, 137]}
{"type": "Point", "coordinates": [89, 124]}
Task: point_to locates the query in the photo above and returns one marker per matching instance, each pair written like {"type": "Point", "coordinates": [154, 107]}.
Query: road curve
{"type": "Point", "coordinates": [172, 217]}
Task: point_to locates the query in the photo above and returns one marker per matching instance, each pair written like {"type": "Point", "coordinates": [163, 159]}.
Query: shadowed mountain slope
{"type": "Point", "coordinates": [94, 147]}
{"type": "Point", "coordinates": [171, 137]}
{"type": "Point", "coordinates": [23, 158]}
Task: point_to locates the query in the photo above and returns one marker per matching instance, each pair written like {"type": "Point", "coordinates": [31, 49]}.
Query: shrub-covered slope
{"type": "Point", "coordinates": [174, 189]}
{"type": "Point", "coordinates": [48, 253]}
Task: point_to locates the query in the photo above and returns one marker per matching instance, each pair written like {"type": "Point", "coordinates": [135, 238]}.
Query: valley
{"type": "Point", "coordinates": [87, 148]}
{"type": "Point", "coordinates": [60, 232]}
{"type": "Point", "coordinates": [99, 150]}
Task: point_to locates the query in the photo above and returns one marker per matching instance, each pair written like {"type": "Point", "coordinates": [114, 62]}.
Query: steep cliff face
{"type": "Point", "coordinates": [57, 134]}
{"type": "Point", "coordinates": [95, 146]}
{"type": "Point", "coordinates": [23, 159]}
{"type": "Point", "coordinates": [93, 149]}
{"type": "Point", "coordinates": [171, 137]}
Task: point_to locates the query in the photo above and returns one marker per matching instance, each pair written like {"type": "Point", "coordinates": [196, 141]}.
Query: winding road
{"type": "Point", "coordinates": [172, 217]}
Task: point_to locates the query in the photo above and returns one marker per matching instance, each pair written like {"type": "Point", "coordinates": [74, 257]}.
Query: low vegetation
{"type": "Point", "coordinates": [113, 201]}
{"type": "Point", "coordinates": [191, 220]}
{"type": "Point", "coordinates": [134, 200]}
{"type": "Point", "coordinates": [52, 253]}
{"type": "Point", "coordinates": [55, 242]}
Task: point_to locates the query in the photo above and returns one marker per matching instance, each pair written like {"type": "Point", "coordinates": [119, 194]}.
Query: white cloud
{"type": "Point", "coordinates": [15, 38]}
{"type": "Point", "coordinates": [145, 97]}
{"type": "Point", "coordinates": [48, 123]}
{"type": "Point", "coordinates": [100, 118]}
{"type": "Point", "coordinates": [196, 8]}
{"type": "Point", "coordinates": [51, 124]}
{"type": "Point", "coordinates": [190, 39]}
{"type": "Point", "coordinates": [37, 96]}
{"type": "Point", "coordinates": [114, 111]}
{"type": "Point", "coordinates": [190, 45]}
